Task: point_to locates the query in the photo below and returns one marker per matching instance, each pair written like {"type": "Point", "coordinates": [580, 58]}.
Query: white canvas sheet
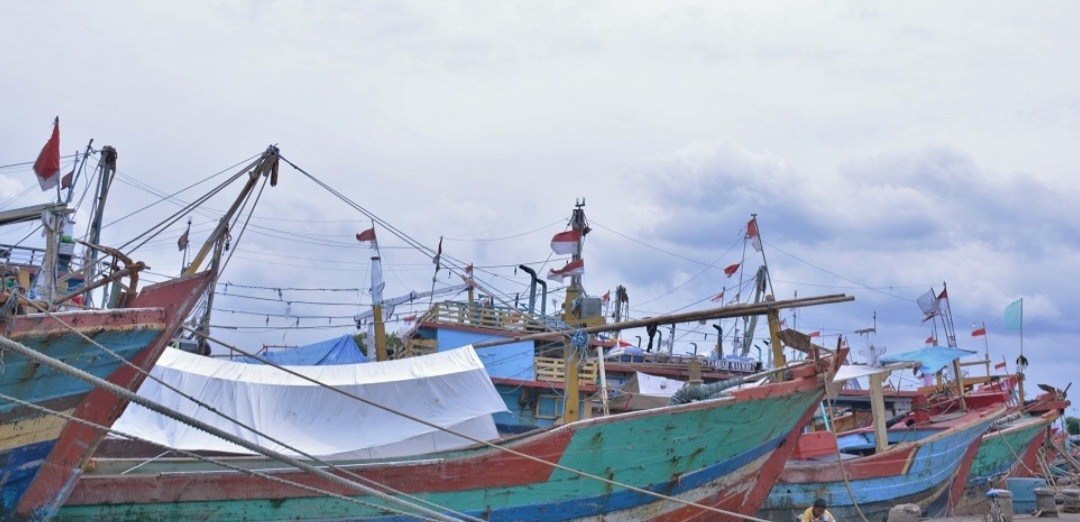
{"type": "Point", "coordinates": [855, 371]}
{"type": "Point", "coordinates": [450, 389]}
{"type": "Point", "coordinates": [658, 386]}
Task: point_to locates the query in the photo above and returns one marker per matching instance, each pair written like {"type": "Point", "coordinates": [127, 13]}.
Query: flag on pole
{"type": "Point", "coordinates": [566, 242]}
{"type": "Point", "coordinates": [469, 269]}
{"type": "Point", "coordinates": [783, 323]}
{"type": "Point", "coordinates": [1001, 365]}
{"type": "Point", "coordinates": [438, 256]}
{"type": "Point", "coordinates": [978, 332]}
{"type": "Point", "coordinates": [718, 297]}
{"type": "Point", "coordinates": [65, 181]}
{"type": "Point", "coordinates": [572, 268]}
{"type": "Point", "coordinates": [752, 234]}
{"type": "Point", "coordinates": [930, 304]}
{"type": "Point", "coordinates": [815, 333]}
{"type": "Point", "coordinates": [367, 235]}
{"type": "Point", "coordinates": [182, 243]}
{"type": "Point", "coordinates": [1014, 315]}
{"type": "Point", "coordinates": [47, 165]}
{"type": "Point", "coordinates": [732, 269]}
{"type": "Point", "coordinates": [606, 297]}
{"type": "Point", "coordinates": [930, 340]}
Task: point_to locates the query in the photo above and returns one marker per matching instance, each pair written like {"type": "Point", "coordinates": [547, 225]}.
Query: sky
{"type": "Point", "coordinates": [885, 149]}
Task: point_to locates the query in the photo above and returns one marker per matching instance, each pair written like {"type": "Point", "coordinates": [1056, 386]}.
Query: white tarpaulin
{"type": "Point", "coordinates": [658, 386]}
{"type": "Point", "coordinates": [450, 389]}
{"type": "Point", "coordinates": [855, 371]}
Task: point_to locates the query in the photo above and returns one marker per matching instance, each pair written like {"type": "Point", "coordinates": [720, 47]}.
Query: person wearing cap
{"type": "Point", "coordinates": [817, 513]}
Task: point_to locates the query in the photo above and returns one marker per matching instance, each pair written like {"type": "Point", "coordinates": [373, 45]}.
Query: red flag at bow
{"type": "Point", "coordinates": [566, 242]}
{"type": "Point", "coordinates": [48, 162]}
{"type": "Point", "coordinates": [978, 331]}
{"type": "Point", "coordinates": [752, 234]}
{"type": "Point", "coordinates": [367, 235]}
{"type": "Point", "coordinates": [732, 269]}
{"type": "Point", "coordinates": [572, 268]}
{"type": "Point", "coordinates": [718, 297]}
{"type": "Point", "coordinates": [1000, 366]}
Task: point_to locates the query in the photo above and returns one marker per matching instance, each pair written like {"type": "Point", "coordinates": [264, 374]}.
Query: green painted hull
{"type": "Point", "coordinates": [722, 453]}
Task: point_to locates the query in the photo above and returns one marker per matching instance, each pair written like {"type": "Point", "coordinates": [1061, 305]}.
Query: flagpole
{"type": "Point", "coordinates": [986, 348]}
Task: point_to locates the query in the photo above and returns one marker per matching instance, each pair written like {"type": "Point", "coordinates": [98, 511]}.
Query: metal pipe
{"type": "Point", "coordinates": [532, 287]}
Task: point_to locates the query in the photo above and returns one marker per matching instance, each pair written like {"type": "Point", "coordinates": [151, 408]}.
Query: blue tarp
{"type": "Point", "coordinates": [342, 350]}
{"type": "Point", "coordinates": [932, 359]}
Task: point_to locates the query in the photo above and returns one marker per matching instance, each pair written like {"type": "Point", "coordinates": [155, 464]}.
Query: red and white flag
{"type": "Point", "coordinates": [732, 269]}
{"type": "Point", "coordinates": [753, 235]}
{"type": "Point", "coordinates": [1001, 365]}
{"type": "Point", "coordinates": [978, 332]}
{"type": "Point", "coordinates": [565, 243]}
{"type": "Point", "coordinates": [68, 178]}
{"type": "Point", "coordinates": [409, 318]}
{"type": "Point", "coordinates": [47, 166]}
{"type": "Point", "coordinates": [624, 343]}
{"type": "Point", "coordinates": [718, 297]}
{"type": "Point", "coordinates": [182, 243]}
{"type": "Point", "coordinates": [783, 323]}
{"type": "Point", "coordinates": [367, 235]}
{"type": "Point", "coordinates": [606, 297]}
{"type": "Point", "coordinates": [815, 333]}
{"type": "Point", "coordinates": [930, 340]}
{"type": "Point", "coordinates": [930, 303]}
{"type": "Point", "coordinates": [572, 268]}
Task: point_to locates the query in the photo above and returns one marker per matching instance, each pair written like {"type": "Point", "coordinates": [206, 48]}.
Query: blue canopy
{"type": "Point", "coordinates": [342, 350]}
{"type": "Point", "coordinates": [931, 359]}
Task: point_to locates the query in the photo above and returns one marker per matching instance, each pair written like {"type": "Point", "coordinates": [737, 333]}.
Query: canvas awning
{"type": "Point", "coordinates": [449, 389]}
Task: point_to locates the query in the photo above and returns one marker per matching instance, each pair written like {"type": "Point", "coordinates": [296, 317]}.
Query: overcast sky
{"type": "Point", "coordinates": [885, 149]}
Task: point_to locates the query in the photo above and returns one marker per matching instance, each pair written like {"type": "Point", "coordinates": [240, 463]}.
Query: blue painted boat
{"type": "Point", "coordinates": [42, 455]}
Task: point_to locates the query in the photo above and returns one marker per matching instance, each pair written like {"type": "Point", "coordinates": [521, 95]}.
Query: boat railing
{"type": "Point", "coordinates": [477, 315]}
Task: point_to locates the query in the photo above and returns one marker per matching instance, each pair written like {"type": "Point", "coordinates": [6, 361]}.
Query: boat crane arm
{"type": "Point", "coordinates": [389, 304]}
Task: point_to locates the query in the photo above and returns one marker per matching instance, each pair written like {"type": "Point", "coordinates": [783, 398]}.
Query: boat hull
{"type": "Point", "coordinates": [722, 453]}
{"type": "Point", "coordinates": [1000, 453]}
{"type": "Point", "coordinates": [924, 472]}
{"type": "Point", "coordinates": [41, 455]}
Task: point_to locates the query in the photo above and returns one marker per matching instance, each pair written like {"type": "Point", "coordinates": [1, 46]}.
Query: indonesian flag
{"type": "Point", "coordinates": [572, 268]}
{"type": "Point", "coordinates": [930, 340]}
{"type": "Point", "coordinates": [367, 235]}
{"type": "Point", "coordinates": [182, 243]}
{"type": "Point", "coordinates": [469, 269]}
{"type": "Point", "coordinates": [752, 234]}
{"type": "Point", "coordinates": [815, 333]}
{"type": "Point", "coordinates": [565, 243]}
{"type": "Point", "coordinates": [783, 323]}
{"type": "Point", "coordinates": [47, 165]}
{"type": "Point", "coordinates": [409, 318]}
{"type": "Point", "coordinates": [606, 297]}
{"type": "Point", "coordinates": [624, 343]}
{"type": "Point", "coordinates": [718, 297]}
{"type": "Point", "coordinates": [1000, 366]}
{"type": "Point", "coordinates": [978, 332]}
{"type": "Point", "coordinates": [732, 269]}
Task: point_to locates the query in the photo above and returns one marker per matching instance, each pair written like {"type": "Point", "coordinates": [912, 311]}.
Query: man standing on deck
{"type": "Point", "coordinates": [817, 513]}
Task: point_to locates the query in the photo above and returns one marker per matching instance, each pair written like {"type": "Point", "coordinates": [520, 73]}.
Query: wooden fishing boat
{"type": "Point", "coordinates": [41, 455]}
{"type": "Point", "coordinates": [1010, 447]}
{"type": "Point", "coordinates": [675, 462]}
{"type": "Point", "coordinates": [922, 457]}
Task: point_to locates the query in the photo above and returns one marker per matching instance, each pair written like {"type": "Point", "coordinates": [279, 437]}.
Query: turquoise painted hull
{"type": "Point", "coordinates": [722, 453]}
{"type": "Point", "coordinates": [35, 434]}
